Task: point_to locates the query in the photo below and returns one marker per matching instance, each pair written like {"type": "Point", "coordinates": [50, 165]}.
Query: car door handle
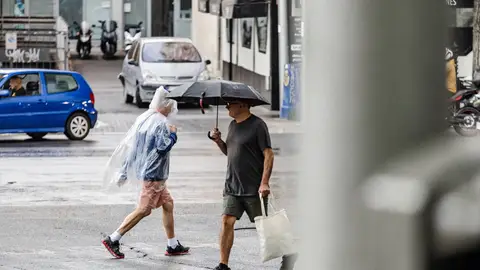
{"type": "Point", "coordinates": [40, 100]}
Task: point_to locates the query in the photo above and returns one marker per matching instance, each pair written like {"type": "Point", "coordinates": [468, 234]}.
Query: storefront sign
{"type": "Point", "coordinates": [296, 8]}
{"type": "Point", "coordinates": [19, 8]}
{"type": "Point", "coordinates": [460, 3]}
{"type": "Point", "coordinates": [262, 33]}
{"type": "Point", "coordinates": [235, 9]}
{"type": "Point", "coordinates": [291, 88]}
{"type": "Point", "coordinates": [295, 35]}
{"type": "Point", "coordinates": [11, 41]}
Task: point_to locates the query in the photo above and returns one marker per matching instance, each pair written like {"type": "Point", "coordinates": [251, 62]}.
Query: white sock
{"type": "Point", "coordinates": [115, 236]}
{"type": "Point", "coordinates": [173, 243]}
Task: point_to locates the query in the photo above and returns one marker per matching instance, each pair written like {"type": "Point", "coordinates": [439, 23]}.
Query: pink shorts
{"type": "Point", "coordinates": [154, 194]}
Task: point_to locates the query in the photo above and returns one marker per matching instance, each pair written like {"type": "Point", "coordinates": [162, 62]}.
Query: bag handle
{"type": "Point", "coordinates": [271, 202]}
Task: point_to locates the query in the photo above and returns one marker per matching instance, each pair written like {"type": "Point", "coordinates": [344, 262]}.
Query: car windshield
{"type": "Point", "coordinates": [170, 52]}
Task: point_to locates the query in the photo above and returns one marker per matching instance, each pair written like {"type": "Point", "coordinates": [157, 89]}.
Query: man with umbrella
{"type": "Point", "coordinates": [249, 153]}
{"type": "Point", "coordinates": [250, 162]}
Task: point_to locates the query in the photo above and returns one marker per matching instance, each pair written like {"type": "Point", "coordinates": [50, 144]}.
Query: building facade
{"type": "Point", "coordinates": [29, 7]}
{"type": "Point", "coordinates": [160, 18]}
{"type": "Point", "coordinates": [260, 45]}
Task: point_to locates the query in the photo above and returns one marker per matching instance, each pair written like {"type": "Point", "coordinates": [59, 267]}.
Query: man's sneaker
{"type": "Point", "coordinates": [178, 250]}
{"type": "Point", "coordinates": [113, 247]}
{"type": "Point", "coordinates": [222, 266]}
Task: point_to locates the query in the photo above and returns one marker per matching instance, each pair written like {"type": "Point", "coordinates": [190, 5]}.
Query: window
{"type": "Point", "coordinates": [170, 52]}
{"type": "Point", "coordinates": [23, 85]}
{"type": "Point", "coordinates": [132, 50]}
{"type": "Point", "coordinates": [60, 83]}
{"type": "Point", "coordinates": [136, 53]}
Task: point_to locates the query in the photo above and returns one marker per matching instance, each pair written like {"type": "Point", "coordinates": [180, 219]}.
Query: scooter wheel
{"type": "Point", "coordinates": [469, 127]}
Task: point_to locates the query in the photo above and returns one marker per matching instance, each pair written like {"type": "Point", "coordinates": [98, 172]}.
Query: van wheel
{"type": "Point", "coordinates": [77, 126]}
{"type": "Point", "coordinates": [37, 135]}
{"type": "Point", "coordinates": [138, 100]}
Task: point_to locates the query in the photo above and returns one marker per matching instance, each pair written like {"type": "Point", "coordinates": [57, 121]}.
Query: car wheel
{"type": "Point", "coordinates": [128, 98]}
{"type": "Point", "coordinates": [37, 135]}
{"type": "Point", "coordinates": [138, 100]}
{"type": "Point", "coordinates": [77, 126]}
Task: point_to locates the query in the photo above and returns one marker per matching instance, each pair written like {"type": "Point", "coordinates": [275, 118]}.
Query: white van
{"type": "Point", "coordinates": [160, 61]}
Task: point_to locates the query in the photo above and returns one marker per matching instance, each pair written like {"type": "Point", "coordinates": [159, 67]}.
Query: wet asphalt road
{"type": "Point", "coordinates": [53, 207]}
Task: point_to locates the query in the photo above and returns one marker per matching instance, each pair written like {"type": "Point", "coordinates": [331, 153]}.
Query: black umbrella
{"type": "Point", "coordinates": [217, 92]}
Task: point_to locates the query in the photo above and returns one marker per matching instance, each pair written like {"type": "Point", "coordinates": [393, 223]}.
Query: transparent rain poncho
{"type": "Point", "coordinates": [144, 152]}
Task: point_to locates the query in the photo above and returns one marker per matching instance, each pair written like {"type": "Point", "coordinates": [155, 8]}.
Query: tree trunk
{"type": "Point", "coordinates": [476, 36]}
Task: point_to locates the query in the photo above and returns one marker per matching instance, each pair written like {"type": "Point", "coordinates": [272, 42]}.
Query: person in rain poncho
{"type": "Point", "coordinates": [143, 157]}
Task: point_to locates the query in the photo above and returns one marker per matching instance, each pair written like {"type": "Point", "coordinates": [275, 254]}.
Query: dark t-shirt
{"type": "Point", "coordinates": [19, 92]}
{"type": "Point", "coordinates": [246, 142]}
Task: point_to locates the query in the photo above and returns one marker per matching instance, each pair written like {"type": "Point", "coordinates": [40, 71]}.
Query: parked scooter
{"type": "Point", "coordinates": [465, 108]}
{"type": "Point", "coordinates": [84, 39]}
{"type": "Point", "coordinates": [129, 38]}
{"type": "Point", "coordinates": [109, 37]}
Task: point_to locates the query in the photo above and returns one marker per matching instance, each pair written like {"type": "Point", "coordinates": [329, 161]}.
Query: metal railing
{"type": "Point", "coordinates": [38, 43]}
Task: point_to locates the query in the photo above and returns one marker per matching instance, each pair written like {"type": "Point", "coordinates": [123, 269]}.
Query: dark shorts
{"type": "Point", "coordinates": [235, 206]}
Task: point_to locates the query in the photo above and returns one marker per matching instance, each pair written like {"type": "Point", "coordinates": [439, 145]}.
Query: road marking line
{"type": "Point", "coordinates": [101, 124]}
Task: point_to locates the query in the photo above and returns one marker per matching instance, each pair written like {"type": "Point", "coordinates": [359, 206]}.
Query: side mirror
{"type": "Point", "coordinates": [132, 62]}
{"type": "Point", "coordinates": [140, 23]}
{"type": "Point", "coordinates": [208, 62]}
{"type": "Point", "coordinates": [4, 93]}
{"type": "Point", "coordinates": [94, 25]}
{"type": "Point", "coordinates": [75, 23]}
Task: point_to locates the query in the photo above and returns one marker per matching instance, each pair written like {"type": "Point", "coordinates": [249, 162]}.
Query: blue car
{"type": "Point", "coordinates": [41, 101]}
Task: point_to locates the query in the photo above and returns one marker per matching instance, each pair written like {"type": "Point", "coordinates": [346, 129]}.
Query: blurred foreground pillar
{"type": "Point", "coordinates": [373, 80]}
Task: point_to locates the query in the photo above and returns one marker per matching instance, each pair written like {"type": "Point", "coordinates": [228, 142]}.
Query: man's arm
{"type": "Point", "coordinates": [267, 165]}
{"type": "Point", "coordinates": [217, 138]}
{"type": "Point", "coordinates": [222, 145]}
{"type": "Point", "coordinates": [263, 139]}
{"type": "Point", "coordinates": [165, 142]}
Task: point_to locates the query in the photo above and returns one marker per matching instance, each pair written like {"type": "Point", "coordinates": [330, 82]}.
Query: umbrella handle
{"type": "Point", "coordinates": [210, 137]}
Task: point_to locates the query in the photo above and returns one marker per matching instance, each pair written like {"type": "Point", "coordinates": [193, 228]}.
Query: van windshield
{"type": "Point", "coordinates": [170, 52]}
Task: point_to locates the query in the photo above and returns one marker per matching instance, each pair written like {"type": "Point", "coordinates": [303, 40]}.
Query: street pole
{"type": "Point", "coordinates": [372, 86]}
{"type": "Point", "coordinates": [274, 57]}
{"type": "Point", "coordinates": [282, 42]}
{"type": "Point", "coordinates": [230, 39]}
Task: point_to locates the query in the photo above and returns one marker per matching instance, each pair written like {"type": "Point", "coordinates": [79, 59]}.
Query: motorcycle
{"type": "Point", "coordinates": [129, 38]}
{"type": "Point", "coordinates": [84, 39]}
{"type": "Point", "coordinates": [108, 43]}
{"type": "Point", "coordinates": [465, 109]}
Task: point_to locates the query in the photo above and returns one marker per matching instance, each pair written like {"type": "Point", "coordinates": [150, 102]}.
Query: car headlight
{"type": "Point", "coordinates": [204, 76]}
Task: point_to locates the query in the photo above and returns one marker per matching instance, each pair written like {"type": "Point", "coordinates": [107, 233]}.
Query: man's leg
{"type": "Point", "coordinates": [168, 221]}
{"type": "Point", "coordinates": [173, 246]}
{"type": "Point", "coordinates": [226, 238]}
{"type": "Point", "coordinates": [232, 210]}
{"type": "Point", "coordinates": [133, 219]}
{"type": "Point", "coordinates": [146, 204]}
{"type": "Point", "coordinates": [112, 242]}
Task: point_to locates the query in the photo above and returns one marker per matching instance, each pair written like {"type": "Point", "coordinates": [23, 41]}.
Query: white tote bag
{"type": "Point", "coordinates": [274, 232]}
